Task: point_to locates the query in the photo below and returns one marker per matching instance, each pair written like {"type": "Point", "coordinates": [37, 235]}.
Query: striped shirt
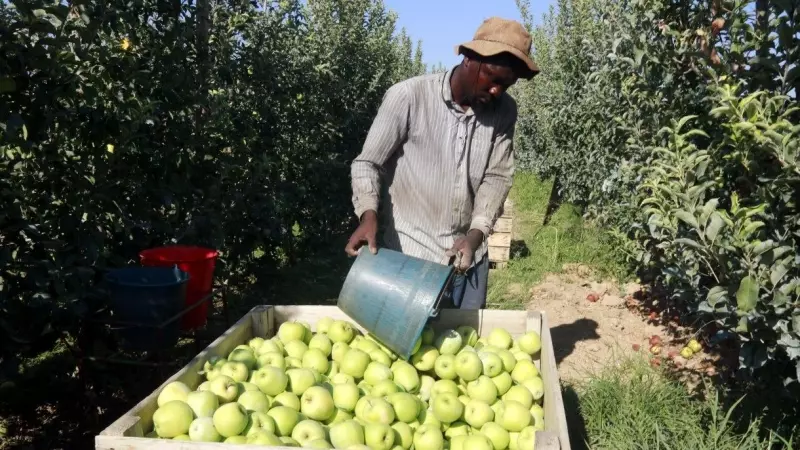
{"type": "Point", "coordinates": [435, 170]}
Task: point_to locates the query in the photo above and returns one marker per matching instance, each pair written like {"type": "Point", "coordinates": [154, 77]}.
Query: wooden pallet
{"type": "Point", "coordinates": [500, 237]}
{"type": "Point", "coordinates": [127, 431]}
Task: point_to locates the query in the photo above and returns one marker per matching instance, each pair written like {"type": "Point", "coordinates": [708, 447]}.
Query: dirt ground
{"type": "Point", "coordinates": [593, 323]}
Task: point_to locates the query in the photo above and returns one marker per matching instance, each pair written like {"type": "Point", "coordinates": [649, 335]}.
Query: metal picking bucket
{"type": "Point", "coordinates": [392, 295]}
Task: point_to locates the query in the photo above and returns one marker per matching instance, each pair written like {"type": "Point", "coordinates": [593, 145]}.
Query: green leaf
{"type": "Point", "coordinates": [714, 227]}
{"type": "Point", "coordinates": [688, 242]}
{"type": "Point", "coordinates": [716, 295]}
{"type": "Point", "coordinates": [747, 294]}
{"type": "Point", "coordinates": [778, 272]}
{"type": "Point", "coordinates": [708, 208]}
{"type": "Point", "coordinates": [687, 218]}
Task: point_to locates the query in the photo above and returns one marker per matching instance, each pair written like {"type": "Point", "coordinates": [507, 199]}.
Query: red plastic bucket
{"type": "Point", "coordinates": [199, 262]}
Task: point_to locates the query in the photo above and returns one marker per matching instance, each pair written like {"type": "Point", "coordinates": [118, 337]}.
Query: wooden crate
{"type": "Point", "coordinates": [126, 433]}
{"type": "Point", "coordinates": [500, 237]}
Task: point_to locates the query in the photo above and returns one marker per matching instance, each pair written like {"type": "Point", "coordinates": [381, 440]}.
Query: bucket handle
{"type": "Point", "coordinates": [447, 283]}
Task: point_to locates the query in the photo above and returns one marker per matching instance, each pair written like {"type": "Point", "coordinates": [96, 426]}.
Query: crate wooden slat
{"type": "Point", "coordinates": [500, 238]}
{"type": "Point", "coordinates": [126, 433]}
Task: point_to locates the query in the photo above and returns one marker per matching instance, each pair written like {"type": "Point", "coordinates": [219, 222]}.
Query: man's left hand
{"type": "Point", "coordinates": [464, 249]}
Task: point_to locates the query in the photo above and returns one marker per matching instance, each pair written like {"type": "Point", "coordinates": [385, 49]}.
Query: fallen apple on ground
{"type": "Point", "coordinates": [337, 387]}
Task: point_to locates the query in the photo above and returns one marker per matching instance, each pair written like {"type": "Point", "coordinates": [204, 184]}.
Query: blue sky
{"type": "Point", "coordinates": [443, 24]}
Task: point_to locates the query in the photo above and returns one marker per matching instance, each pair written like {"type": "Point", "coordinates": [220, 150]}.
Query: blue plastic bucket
{"type": "Point", "coordinates": [392, 295]}
{"type": "Point", "coordinates": [144, 298]}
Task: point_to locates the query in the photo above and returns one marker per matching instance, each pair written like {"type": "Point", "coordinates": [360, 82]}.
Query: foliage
{"type": "Point", "coordinates": [672, 124]}
{"type": "Point", "coordinates": [132, 124]}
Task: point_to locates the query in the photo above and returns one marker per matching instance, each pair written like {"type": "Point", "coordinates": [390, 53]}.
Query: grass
{"type": "Point", "coordinates": [631, 405]}
{"type": "Point", "coordinates": [540, 247]}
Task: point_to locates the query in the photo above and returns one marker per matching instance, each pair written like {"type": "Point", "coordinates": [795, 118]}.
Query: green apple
{"type": "Point", "coordinates": [230, 419]}
{"type": "Point", "coordinates": [477, 413]}
{"type": "Point", "coordinates": [482, 342]}
{"type": "Point", "coordinates": [377, 372]}
{"type": "Point", "coordinates": [513, 441]}
{"type": "Point", "coordinates": [524, 370]}
{"type": "Point", "coordinates": [527, 437]}
{"type": "Point", "coordinates": [202, 430]}
{"type": "Point", "coordinates": [270, 380]}
{"type": "Point", "coordinates": [376, 410]}
{"type": "Point", "coordinates": [287, 441]}
{"type": "Point", "coordinates": [445, 367]}
{"type": "Point", "coordinates": [500, 338]}
{"type": "Point", "coordinates": [341, 331]}
{"type": "Point", "coordinates": [427, 336]}
{"type": "Point", "coordinates": [378, 436]}
{"type": "Point", "coordinates": [444, 386]}
{"type": "Point", "coordinates": [428, 437]}
{"type": "Point", "coordinates": [498, 407]}
{"type": "Point", "coordinates": [259, 421]}
{"type": "Point", "coordinates": [293, 363]}
{"type": "Point", "coordinates": [333, 370]}
{"type": "Point", "coordinates": [521, 394]}
{"type": "Point", "coordinates": [273, 359]}
{"type": "Point", "coordinates": [457, 428]}
{"type": "Point", "coordinates": [535, 386]}
{"type": "Point", "coordinates": [457, 442]}
{"type": "Point", "coordinates": [497, 434]}
{"type": "Point", "coordinates": [244, 355]}
{"type": "Point", "coordinates": [339, 415]}
{"type": "Point", "coordinates": [502, 382]}
{"type": "Point", "coordinates": [446, 407]}
{"type": "Point", "coordinates": [204, 386]}
{"type": "Point", "coordinates": [448, 342]}
{"type": "Point", "coordinates": [385, 388]}
{"type": "Point", "coordinates": [235, 440]}
{"type": "Point", "coordinates": [324, 324]}
{"type": "Point", "coordinates": [380, 356]}
{"type": "Point", "coordinates": [212, 366]}
{"type": "Point", "coordinates": [172, 419]}
{"type": "Point", "coordinates": [308, 430]}
{"type": "Point", "coordinates": [403, 435]}
{"type": "Point", "coordinates": [468, 366]}
{"type": "Point", "coordinates": [364, 388]}
{"type": "Point", "coordinates": [245, 386]}
{"type": "Point", "coordinates": [482, 389]}
{"type": "Point", "coordinates": [285, 419]}
{"type": "Point", "coordinates": [468, 335]}
{"type": "Point", "coordinates": [236, 370]}
{"type": "Point", "coordinates": [354, 363]}
{"type": "Point", "coordinates": [270, 346]}
{"type": "Point", "coordinates": [318, 443]}
{"type": "Point", "coordinates": [175, 390]}
{"type": "Point", "coordinates": [530, 342]}
{"type": "Point", "coordinates": [406, 376]}
{"type": "Point", "coordinates": [322, 343]}
{"type": "Point", "coordinates": [295, 349]}
{"type": "Point", "coordinates": [317, 403]}
{"type": "Point", "coordinates": [256, 343]}
{"type": "Point", "coordinates": [291, 331]}
{"type": "Point", "coordinates": [342, 378]}
{"type": "Point", "coordinates": [537, 416]}
{"type": "Point", "coordinates": [346, 434]}
{"type": "Point", "coordinates": [509, 361]}
{"type": "Point", "coordinates": [514, 416]}
{"type": "Point", "coordinates": [180, 437]}
{"type": "Point", "coordinates": [316, 360]}
{"type": "Point", "coordinates": [203, 403]}
{"type": "Point", "coordinates": [365, 345]}
{"type": "Point", "coordinates": [519, 355]}
{"type": "Point", "coordinates": [287, 399]}
{"type": "Point", "coordinates": [406, 406]}
{"type": "Point", "coordinates": [426, 383]}
{"type": "Point", "coordinates": [345, 396]}
{"type": "Point", "coordinates": [339, 350]}
{"type": "Point", "coordinates": [426, 417]}
{"type": "Point", "coordinates": [225, 389]}
{"type": "Point", "coordinates": [425, 358]}
{"type": "Point", "coordinates": [263, 437]}
{"type": "Point", "coordinates": [478, 442]}
{"type": "Point", "coordinates": [464, 400]}
{"type": "Point", "coordinates": [492, 363]}
{"type": "Point", "coordinates": [300, 380]}
{"type": "Point", "coordinates": [254, 401]}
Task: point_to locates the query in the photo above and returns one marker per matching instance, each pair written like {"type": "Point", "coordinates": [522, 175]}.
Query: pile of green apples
{"type": "Point", "coordinates": [340, 388]}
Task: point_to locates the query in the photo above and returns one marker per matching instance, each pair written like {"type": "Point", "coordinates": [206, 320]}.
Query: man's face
{"type": "Point", "coordinates": [488, 81]}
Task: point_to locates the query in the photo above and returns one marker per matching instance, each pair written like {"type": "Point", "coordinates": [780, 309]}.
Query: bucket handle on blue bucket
{"type": "Point", "coordinates": [446, 290]}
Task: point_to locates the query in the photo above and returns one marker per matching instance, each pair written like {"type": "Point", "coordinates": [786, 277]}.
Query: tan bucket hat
{"type": "Point", "coordinates": [497, 35]}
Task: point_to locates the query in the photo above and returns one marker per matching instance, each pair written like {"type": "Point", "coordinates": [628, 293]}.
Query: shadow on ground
{"type": "Point", "coordinates": [575, 424]}
{"type": "Point", "coordinates": [566, 336]}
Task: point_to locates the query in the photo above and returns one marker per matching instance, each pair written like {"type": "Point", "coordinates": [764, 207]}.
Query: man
{"type": "Point", "coordinates": [438, 160]}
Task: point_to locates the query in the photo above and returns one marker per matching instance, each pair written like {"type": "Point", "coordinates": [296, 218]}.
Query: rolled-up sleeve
{"type": "Point", "coordinates": [496, 183]}
{"type": "Point", "coordinates": [387, 133]}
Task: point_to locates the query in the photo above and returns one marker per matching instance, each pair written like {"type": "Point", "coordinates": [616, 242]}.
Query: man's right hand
{"type": "Point", "coordinates": [366, 232]}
